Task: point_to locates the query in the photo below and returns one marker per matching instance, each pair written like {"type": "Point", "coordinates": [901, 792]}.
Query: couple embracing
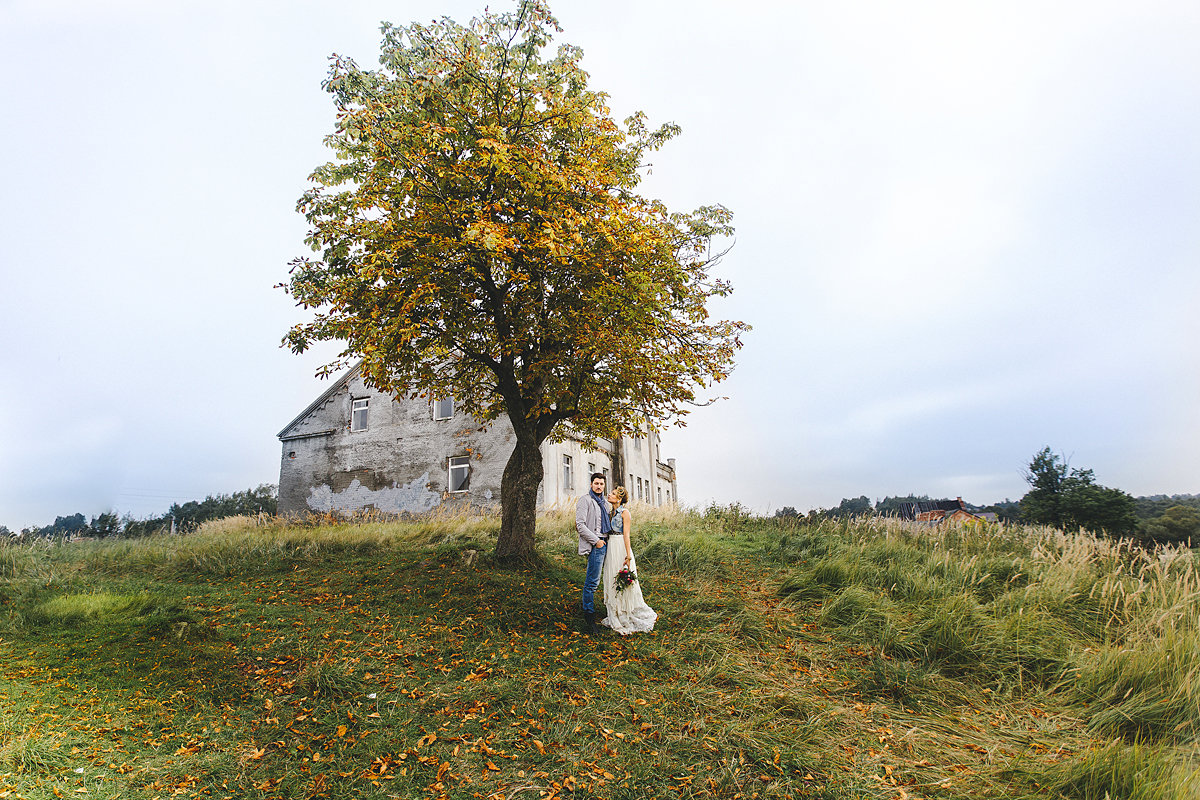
{"type": "Point", "coordinates": [604, 525]}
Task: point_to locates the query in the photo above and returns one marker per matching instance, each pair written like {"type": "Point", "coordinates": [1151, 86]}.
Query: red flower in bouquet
{"type": "Point", "coordinates": [625, 578]}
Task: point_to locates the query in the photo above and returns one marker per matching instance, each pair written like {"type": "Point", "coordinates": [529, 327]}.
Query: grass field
{"type": "Point", "coordinates": [258, 659]}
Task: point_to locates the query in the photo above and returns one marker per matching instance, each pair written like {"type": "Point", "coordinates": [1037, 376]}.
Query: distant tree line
{"type": "Point", "coordinates": [1006, 511]}
{"type": "Point", "coordinates": [262, 499]}
{"type": "Point", "coordinates": [1158, 504]}
{"type": "Point", "coordinates": [1178, 523]}
{"type": "Point", "coordinates": [1061, 496]}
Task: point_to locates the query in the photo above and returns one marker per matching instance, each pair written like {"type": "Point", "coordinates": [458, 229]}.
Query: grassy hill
{"type": "Point", "coordinates": [258, 659]}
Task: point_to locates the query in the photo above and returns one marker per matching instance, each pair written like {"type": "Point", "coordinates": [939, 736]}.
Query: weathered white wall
{"type": "Point", "coordinates": [555, 490]}
{"type": "Point", "coordinates": [644, 461]}
{"type": "Point", "coordinates": [400, 462]}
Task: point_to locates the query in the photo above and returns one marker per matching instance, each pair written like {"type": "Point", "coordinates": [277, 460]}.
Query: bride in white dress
{"type": "Point", "coordinates": [627, 610]}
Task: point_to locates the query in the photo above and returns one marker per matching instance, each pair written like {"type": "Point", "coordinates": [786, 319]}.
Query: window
{"type": "Point", "coordinates": [358, 414]}
{"type": "Point", "coordinates": [460, 473]}
{"type": "Point", "coordinates": [591, 470]}
{"type": "Point", "coordinates": [640, 495]}
{"type": "Point", "coordinates": [568, 483]}
{"type": "Point", "coordinates": [443, 408]}
{"type": "Point", "coordinates": [660, 495]}
{"type": "Point", "coordinates": [605, 472]}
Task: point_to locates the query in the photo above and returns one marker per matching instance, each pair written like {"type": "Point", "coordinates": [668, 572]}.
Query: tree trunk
{"type": "Point", "coordinates": [518, 504]}
{"type": "Point", "coordinates": [618, 464]}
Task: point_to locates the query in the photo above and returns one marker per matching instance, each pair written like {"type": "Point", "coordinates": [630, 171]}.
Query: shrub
{"type": "Point", "coordinates": [321, 677]}
{"type": "Point", "coordinates": [1118, 770]}
{"type": "Point", "coordinates": [25, 752]}
{"type": "Point", "coordinates": [670, 552]}
{"type": "Point", "coordinates": [902, 681]}
{"type": "Point", "coordinates": [954, 633]}
{"type": "Point", "coordinates": [1146, 692]}
{"type": "Point", "coordinates": [866, 617]}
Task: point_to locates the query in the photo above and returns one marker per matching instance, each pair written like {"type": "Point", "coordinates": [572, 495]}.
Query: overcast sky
{"type": "Point", "coordinates": [964, 231]}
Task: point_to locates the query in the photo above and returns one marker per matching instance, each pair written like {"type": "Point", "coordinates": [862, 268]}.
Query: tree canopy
{"type": "Point", "coordinates": [479, 235]}
{"type": "Point", "coordinates": [1068, 497]}
{"type": "Point", "coordinates": [1176, 525]}
{"type": "Point", "coordinates": [1158, 504]}
{"type": "Point", "coordinates": [262, 499]}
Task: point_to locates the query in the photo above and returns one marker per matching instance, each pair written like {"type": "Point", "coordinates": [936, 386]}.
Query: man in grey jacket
{"type": "Point", "coordinates": [591, 520]}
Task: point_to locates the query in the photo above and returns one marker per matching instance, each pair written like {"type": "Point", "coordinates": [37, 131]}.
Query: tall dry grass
{"type": "Point", "coordinates": [1129, 771]}
{"type": "Point", "coordinates": [1022, 608]}
{"type": "Point", "coordinates": [264, 543]}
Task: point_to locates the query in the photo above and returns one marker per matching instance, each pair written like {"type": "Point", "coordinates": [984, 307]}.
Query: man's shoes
{"type": "Point", "coordinates": [590, 618]}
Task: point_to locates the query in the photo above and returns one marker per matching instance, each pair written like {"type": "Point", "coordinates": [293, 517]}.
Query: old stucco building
{"type": "Point", "coordinates": [355, 448]}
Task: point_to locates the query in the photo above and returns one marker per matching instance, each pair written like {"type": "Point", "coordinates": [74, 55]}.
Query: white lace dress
{"type": "Point", "coordinates": [627, 609]}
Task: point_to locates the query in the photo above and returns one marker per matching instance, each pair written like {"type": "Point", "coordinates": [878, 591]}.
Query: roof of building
{"type": "Point", "coordinates": [325, 395]}
{"type": "Point", "coordinates": [911, 510]}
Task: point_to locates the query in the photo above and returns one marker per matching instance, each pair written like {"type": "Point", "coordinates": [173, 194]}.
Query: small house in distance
{"type": "Point", "coordinates": [355, 448]}
{"type": "Point", "coordinates": [936, 511]}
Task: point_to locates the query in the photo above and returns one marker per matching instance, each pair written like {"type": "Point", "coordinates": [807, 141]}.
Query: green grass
{"type": "Point", "coordinates": [261, 659]}
{"type": "Point", "coordinates": [1129, 771]}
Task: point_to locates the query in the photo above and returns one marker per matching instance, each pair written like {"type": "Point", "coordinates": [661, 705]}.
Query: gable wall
{"type": "Point", "coordinates": [398, 464]}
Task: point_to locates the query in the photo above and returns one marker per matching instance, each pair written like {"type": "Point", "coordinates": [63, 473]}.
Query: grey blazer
{"type": "Point", "coordinates": [587, 522]}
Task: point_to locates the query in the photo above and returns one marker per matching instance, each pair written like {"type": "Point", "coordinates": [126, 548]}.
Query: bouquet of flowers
{"type": "Point", "coordinates": [625, 578]}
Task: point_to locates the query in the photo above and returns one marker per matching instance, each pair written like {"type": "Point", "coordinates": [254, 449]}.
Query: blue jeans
{"type": "Point", "coordinates": [595, 565]}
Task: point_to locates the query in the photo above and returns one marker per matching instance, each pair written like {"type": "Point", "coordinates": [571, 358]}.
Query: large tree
{"type": "Point", "coordinates": [479, 235]}
{"type": "Point", "coordinates": [1068, 497]}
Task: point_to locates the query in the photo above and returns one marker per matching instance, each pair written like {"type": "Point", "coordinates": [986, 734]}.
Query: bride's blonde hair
{"type": "Point", "coordinates": [621, 494]}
